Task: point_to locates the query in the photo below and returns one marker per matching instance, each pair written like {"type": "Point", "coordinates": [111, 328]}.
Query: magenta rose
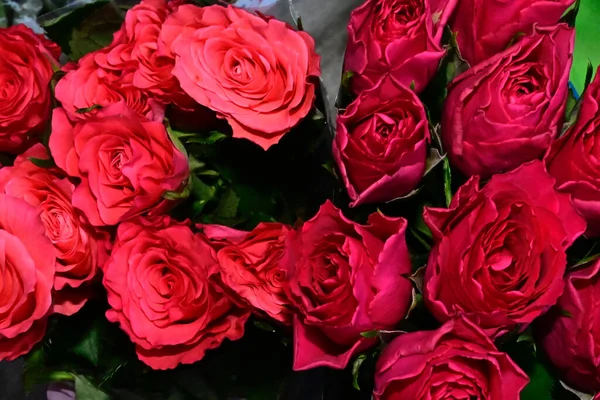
{"type": "Point", "coordinates": [456, 361]}
{"type": "Point", "coordinates": [251, 265]}
{"type": "Point", "coordinates": [499, 254]}
{"type": "Point", "coordinates": [508, 109]}
{"type": "Point", "coordinates": [381, 143]}
{"type": "Point", "coordinates": [125, 163]}
{"type": "Point", "coordinates": [345, 279]}
{"type": "Point", "coordinates": [486, 27]}
{"type": "Point", "coordinates": [74, 240]}
{"type": "Point", "coordinates": [400, 38]}
{"type": "Point", "coordinates": [256, 72]}
{"type": "Point", "coordinates": [165, 290]}
{"type": "Point", "coordinates": [570, 333]}
{"type": "Point", "coordinates": [574, 159]}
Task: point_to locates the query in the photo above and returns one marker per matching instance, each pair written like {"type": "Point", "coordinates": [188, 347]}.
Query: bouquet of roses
{"type": "Point", "coordinates": [172, 198]}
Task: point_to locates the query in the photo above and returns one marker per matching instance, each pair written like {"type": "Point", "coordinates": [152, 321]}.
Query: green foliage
{"type": "Point", "coordinates": [356, 369]}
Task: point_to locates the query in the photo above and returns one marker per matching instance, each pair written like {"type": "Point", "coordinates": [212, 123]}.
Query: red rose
{"type": "Point", "coordinates": [499, 255]}
{"type": "Point", "coordinates": [125, 163]}
{"type": "Point", "coordinates": [166, 293]}
{"type": "Point", "coordinates": [27, 62]}
{"type": "Point", "coordinates": [486, 27]}
{"type": "Point", "coordinates": [506, 110]}
{"type": "Point", "coordinates": [345, 279]}
{"type": "Point", "coordinates": [456, 361]}
{"type": "Point", "coordinates": [400, 38]}
{"type": "Point", "coordinates": [74, 240]}
{"type": "Point", "coordinates": [257, 73]}
{"type": "Point", "coordinates": [574, 159]}
{"type": "Point", "coordinates": [570, 333]}
{"type": "Point", "coordinates": [381, 143]}
{"type": "Point", "coordinates": [251, 265]}
{"type": "Point", "coordinates": [27, 263]}
{"type": "Point", "coordinates": [88, 85]}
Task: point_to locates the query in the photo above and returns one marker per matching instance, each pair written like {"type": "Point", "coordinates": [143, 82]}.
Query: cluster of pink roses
{"type": "Point", "coordinates": [498, 261]}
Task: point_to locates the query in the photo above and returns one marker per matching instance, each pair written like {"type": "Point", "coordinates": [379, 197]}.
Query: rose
{"type": "Point", "coordinates": [74, 240]}
{"type": "Point", "coordinates": [27, 263]}
{"type": "Point", "coordinates": [506, 110]}
{"type": "Point", "coordinates": [570, 332]}
{"type": "Point", "coordinates": [400, 38]}
{"type": "Point", "coordinates": [258, 73]}
{"type": "Point", "coordinates": [165, 291]}
{"type": "Point", "coordinates": [486, 27]}
{"type": "Point", "coordinates": [345, 279]}
{"type": "Point", "coordinates": [381, 143]}
{"type": "Point", "coordinates": [251, 265]}
{"type": "Point", "coordinates": [456, 361]}
{"type": "Point", "coordinates": [87, 86]}
{"type": "Point", "coordinates": [573, 160]}
{"type": "Point", "coordinates": [125, 163]}
{"type": "Point", "coordinates": [499, 253]}
{"type": "Point", "coordinates": [27, 62]}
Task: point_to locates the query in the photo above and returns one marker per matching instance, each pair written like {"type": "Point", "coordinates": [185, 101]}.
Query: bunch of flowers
{"type": "Point", "coordinates": [163, 189]}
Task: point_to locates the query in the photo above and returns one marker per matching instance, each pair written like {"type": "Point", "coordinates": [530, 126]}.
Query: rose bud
{"type": "Point", "coordinates": [345, 279]}
{"type": "Point", "coordinates": [27, 63]}
{"type": "Point", "coordinates": [499, 254]}
{"type": "Point", "coordinates": [507, 110]}
{"type": "Point", "coordinates": [456, 361]}
{"type": "Point", "coordinates": [570, 332]}
{"type": "Point", "coordinates": [400, 38]}
{"type": "Point", "coordinates": [381, 143]}
{"type": "Point", "coordinates": [165, 291]}
{"type": "Point", "coordinates": [257, 73]}
{"type": "Point", "coordinates": [124, 162]}
{"type": "Point", "coordinates": [486, 27]}
{"type": "Point", "coordinates": [574, 159]}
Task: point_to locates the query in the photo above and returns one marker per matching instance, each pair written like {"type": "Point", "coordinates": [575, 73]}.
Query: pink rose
{"type": "Point", "coordinates": [125, 163]}
{"type": "Point", "coordinates": [27, 262]}
{"type": "Point", "coordinates": [507, 110]}
{"type": "Point", "coordinates": [165, 291]}
{"type": "Point", "coordinates": [73, 239]}
{"type": "Point", "coordinates": [381, 143]}
{"type": "Point", "coordinates": [251, 265]}
{"type": "Point", "coordinates": [345, 279]}
{"type": "Point", "coordinates": [257, 73]}
{"type": "Point", "coordinates": [399, 38]}
{"type": "Point", "coordinates": [456, 361]}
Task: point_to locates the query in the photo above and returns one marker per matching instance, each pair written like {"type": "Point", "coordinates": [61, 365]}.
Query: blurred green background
{"type": "Point", "coordinates": [587, 41]}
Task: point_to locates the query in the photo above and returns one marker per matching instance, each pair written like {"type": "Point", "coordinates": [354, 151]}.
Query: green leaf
{"type": "Point", "coordinates": [228, 204]}
{"type": "Point", "coordinates": [84, 389]}
{"type": "Point", "coordinates": [3, 19]}
{"type": "Point", "coordinates": [356, 369]}
{"type": "Point", "coordinates": [88, 109]}
{"type": "Point", "coordinates": [346, 77]}
{"type": "Point", "coordinates": [330, 167]}
{"type": "Point", "coordinates": [42, 163]}
{"type": "Point", "coordinates": [195, 164]}
{"type": "Point", "coordinates": [413, 86]}
{"type": "Point", "coordinates": [212, 138]}
{"type": "Point", "coordinates": [89, 346]}
{"type": "Point", "coordinates": [262, 325]}
{"type": "Point", "coordinates": [589, 74]}
{"type": "Point", "coordinates": [95, 31]}
{"type": "Point", "coordinates": [175, 137]}
{"type": "Point", "coordinates": [577, 393]}
{"type": "Point", "coordinates": [173, 196]}
{"type": "Point", "coordinates": [570, 15]}
{"type": "Point", "coordinates": [447, 182]}
{"type": "Point", "coordinates": [565, 313]}
{"type": "Point", "coordinates": [370, 334]}
{"type": "Point", "coordinates": [434, 158]}
{"type": "Point", "coordinates": [456, 64]}
{"type": "Point", "coordinates": [540, 383]}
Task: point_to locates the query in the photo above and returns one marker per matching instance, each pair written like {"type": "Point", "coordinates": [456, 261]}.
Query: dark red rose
{"type": "Point", "coordinates": [75, 242]}
{"type": "Point", "coordinates": [486, 27]}
{"type": "Point", "coordinates": [345, 279]}
{"type": "Point", "coordinates": [508, 109]}
{"type": "Point", "coordinates": [570, 332]}
{"type": "Point", "coordinates": [456, 361]}
{"type": "Point", "coordinates": [499, 254]}
{"type": "Point", "coordinates": [400, 38]}
{"type": "Point", "coordinates": [27, 262]}
{"type": "Point", "coordinates": [574, 159]}
{"type": "Point", "coordinates": [27, 63]}
{"type": "Point", "coordinates": [166, 292]}
{"type": "Point", "coordinates": [125, 163]}
{"type": "Point", "coordinates": [381, 143]}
